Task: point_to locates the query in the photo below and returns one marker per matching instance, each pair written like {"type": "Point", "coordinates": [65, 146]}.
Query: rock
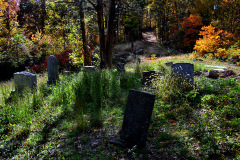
{"type": "Point", "coordinates": [212, 74]}
{"type": "Point", "coordinates": [226, 73]}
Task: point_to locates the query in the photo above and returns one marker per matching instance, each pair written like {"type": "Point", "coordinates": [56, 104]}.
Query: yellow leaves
{"type": "Point", "coordinates": [221, 52]}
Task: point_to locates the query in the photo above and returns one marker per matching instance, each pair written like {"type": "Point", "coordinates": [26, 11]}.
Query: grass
{"type": "Point", "coordinates": [76, 118]}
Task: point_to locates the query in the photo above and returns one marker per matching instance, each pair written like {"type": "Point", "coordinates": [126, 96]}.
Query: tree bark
{"type": "Point", "coordinates": [110, 32]}
{"type": "Point", "coordinates": [99, 9]}
{"type": "Point", "coordinates": [87, 55]}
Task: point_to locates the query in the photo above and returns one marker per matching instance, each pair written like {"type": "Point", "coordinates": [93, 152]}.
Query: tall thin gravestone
{"type": "Point", "coordinates": [52, 67]}
{"type": "Point", "coordinates": [185, 70]}
{"type": "Point", "coordinates": [137, 117]}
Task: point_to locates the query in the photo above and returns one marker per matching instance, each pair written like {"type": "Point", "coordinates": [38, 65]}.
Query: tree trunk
{"type": "Point", "coordinates": [110, 32]}
{"type": "Point", "coordinates": [99, 9]}
{"type": "Point", "coordinates": [43, 15]}
{"type": "Point", "coordinates": [87, 55]}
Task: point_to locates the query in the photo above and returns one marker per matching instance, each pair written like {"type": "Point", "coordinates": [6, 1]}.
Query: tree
{"type": "Point", "coordinates": [106, 45]}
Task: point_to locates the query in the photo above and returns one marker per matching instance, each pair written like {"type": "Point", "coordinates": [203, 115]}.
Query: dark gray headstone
{"type": "Point", "coordinates": [52, 67]}
{"type": "Point", "coordinates": [25, 79]}
{"type": "Point", "coordinates": [184, 70]}
{"type": "Point", "coordinates": [148, 76]}
{"type": "Point", "coordinates": [120, 67]}
{"type": "Point", "coordinates": [137, 117]}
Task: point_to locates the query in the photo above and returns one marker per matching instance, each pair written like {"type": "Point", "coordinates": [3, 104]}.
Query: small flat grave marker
{"type": "Point", "coordinates": [184, 70]}
{"type": "Point", "coordinates": [52, 67]}
{"type": "Point", "coordinates": [88, 69]}
{"type": "Point", "coordinates": [137, 117]}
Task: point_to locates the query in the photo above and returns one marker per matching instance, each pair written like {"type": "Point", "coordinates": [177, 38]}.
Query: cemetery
{"type": "Point", "coordinates": [161, 108]}
{"type": "Point", "coordinates": [120, 79]}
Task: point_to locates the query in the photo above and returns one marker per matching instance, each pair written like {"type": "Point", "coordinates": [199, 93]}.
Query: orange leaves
{"type": "Point", "coordinates": [213, 42]}
{"type": "Point", "coordinates": [192, 21]}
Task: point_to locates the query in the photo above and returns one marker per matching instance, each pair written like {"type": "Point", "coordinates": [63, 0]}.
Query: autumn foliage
{"type": "Point", "coordinates": [191, 26]}
{"type": "Point", "coordinates": [215, 42]}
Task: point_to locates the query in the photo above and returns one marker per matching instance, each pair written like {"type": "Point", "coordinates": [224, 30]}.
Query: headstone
{"type": "Point", "coordinates": [88, 69]}
{"type": "Point", "coordinates": [52, 67]}
{"type": "Point", "coordinates": [169, 63]}
{"type": "Point", "coordinates": [221, 67]}
{"type": "Point", "coordinates": [137, 117]}
{"type": "Point", "coordinates": [184, 70]}
{"type": "Point", "coordinates": [25, 79]}
{"type": "Point", "coordinates": [120, 67]}
{"type": "Point", "coordinates": [102, 64]}
{"type": "Point", "coordinates": [148, 76]}
{"type": "Point", "coordinates": [138, 60]}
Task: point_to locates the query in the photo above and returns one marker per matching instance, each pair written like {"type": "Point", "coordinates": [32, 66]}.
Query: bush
{"type": "Point", "coordinates": [214, 42]}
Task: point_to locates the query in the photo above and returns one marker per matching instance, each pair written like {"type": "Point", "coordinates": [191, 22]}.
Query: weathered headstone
{"type": "Point", "coordinates": [148, 76]}
{"type": "Point", "coordinates": [88, 69]}
{"type": "Point", "coordinates": [137, 117]}
{"type": "Point", "coordinates": [120, 67]}
{"type": "Point", "coordinates": [184, 70]}
{"type": "Point", "coordinates": [24, 79]}
{"type": "Point", "coordinates": [169, 63]}
{"type": "Point", "coordinates": [52, 67]}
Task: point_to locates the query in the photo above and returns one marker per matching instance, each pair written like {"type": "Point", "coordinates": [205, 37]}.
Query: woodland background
{"type": "Point", "coordinates": [81, 31]}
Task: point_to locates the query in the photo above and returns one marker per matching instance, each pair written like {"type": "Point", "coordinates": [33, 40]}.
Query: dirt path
{"type": "Point", "coordinates": [149, 37]}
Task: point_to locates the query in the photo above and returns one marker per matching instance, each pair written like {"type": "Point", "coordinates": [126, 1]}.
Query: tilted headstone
{"type": "Point", "coordinates": [148, 76]}
{"type": "Point", "coordinates": [88, 69]}
{"type": "Point", "coordinates": [52, 67]}
{"type": "Point", "coordinates": [184, 70]}
{"type": "Point", "coordinates": [137, 117]}
{"type": "Point", "coordinates": [24, 79]}
{"type": "Point", "coordinates": [120, 67]}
